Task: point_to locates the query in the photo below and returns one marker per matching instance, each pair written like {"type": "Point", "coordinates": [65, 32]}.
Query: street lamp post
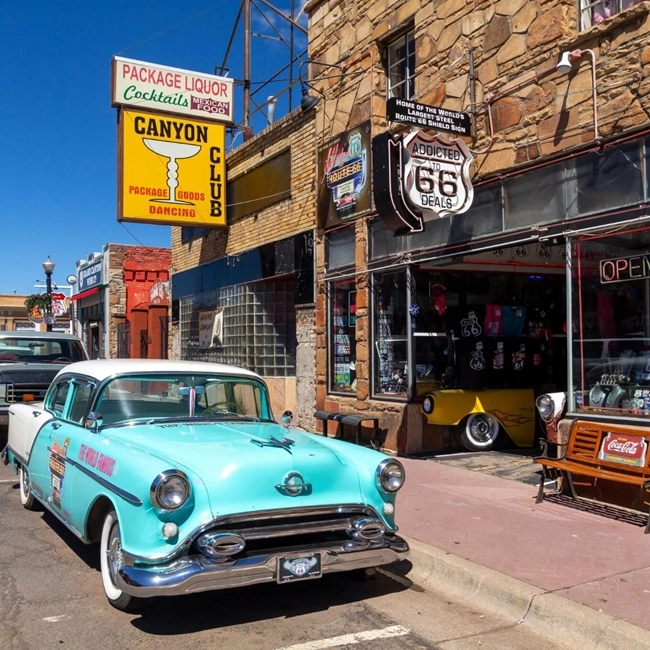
{"type": "Point", "coordinates": [48, 267]}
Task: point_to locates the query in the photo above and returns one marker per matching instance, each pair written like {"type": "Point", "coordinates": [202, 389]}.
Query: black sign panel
{"type": "Point", "coordinates": [428, 117]}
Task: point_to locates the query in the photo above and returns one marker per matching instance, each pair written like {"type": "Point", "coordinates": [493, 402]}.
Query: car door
{"type": "Point", "coordinates": [69, 447]}
{"type": "Point", "coordinates": [46, 468]}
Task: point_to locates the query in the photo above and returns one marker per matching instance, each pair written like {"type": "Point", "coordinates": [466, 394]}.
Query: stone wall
{"type": "Point", "coordinates": [523, 109]}
{"type": "Point", "coordinates": [305, 364]}
{"type": "Point", "coordinates": [535, 111]}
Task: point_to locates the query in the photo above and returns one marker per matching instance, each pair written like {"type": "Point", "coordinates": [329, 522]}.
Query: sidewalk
{"type": "Point", "coordinates": [511, 548]}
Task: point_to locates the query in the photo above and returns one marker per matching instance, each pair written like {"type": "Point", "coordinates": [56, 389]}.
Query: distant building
{"type": "Point", "coordinates": [122, 302]}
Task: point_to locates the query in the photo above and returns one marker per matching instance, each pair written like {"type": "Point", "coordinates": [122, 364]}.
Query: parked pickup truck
{"type": "Point", "coordinates": [29, 360]}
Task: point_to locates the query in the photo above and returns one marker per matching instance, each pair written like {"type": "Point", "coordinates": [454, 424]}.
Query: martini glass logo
{"type": "Point", "coordinates": [173, 151]}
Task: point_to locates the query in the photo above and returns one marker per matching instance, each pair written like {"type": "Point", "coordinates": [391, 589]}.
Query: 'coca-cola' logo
{"type": "Point", "coordinates": [624, 448]}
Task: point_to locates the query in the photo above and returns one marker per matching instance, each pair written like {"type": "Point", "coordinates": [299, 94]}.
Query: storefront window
{"type": "Point", "coordinates": [343, 319]}
{"type": "Point", "coordinates": [340, 247]}
{"type": "Point", "coordinates": [608, 180]}
{"type": "Point", "coordinates": [535, 197]}
{"type": "Point", "coordinates": [390, 334]}
{"type": "Point", "coordinates": [611, 323]}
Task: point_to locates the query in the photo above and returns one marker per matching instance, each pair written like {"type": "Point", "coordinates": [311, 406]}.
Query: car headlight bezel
{"type": "Point", "coordinates": [164, 481]}
{"type": "Point", "coordinates": [545, 407]}
{"type": "Point", "coordinates": [390, 475]}
{"type": "Point", "coordinates": [428, 404]}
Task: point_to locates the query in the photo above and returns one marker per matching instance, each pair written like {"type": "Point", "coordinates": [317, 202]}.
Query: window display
{"type": "Point", "coordinates": [611, 324]}
{"type": "Point", "coordinates": [343, 310]}
{"type": "Point", "coordinates": [390, 336]}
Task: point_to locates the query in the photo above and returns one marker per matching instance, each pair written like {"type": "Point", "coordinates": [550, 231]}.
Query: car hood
{"type": "Point", "coordinates": [21, 372]}
{"type": "Point", "coordinates": [243, 465]}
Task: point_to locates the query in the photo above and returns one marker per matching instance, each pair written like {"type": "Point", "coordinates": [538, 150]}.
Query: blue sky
{"type": "Point", "coordinates": [58, 135]}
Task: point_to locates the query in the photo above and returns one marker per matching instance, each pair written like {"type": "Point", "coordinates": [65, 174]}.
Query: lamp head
{"type": "Point", "coordinates": [565, 64]}
{"type": "Point", "coordinates": [308, 101]}
{"type": "Point", "coordinates": [48, 266]}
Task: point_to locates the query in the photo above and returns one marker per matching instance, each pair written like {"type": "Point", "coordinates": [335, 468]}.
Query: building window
{"type": "Point", "coordinates": [611, 329]}
{"type": "Point", "coordinates": [592, 13]}
{"type": "Point", "coordinates": [340, 248]}
{"type": "Point", "coordinates": [258, 327]}
{"type": "Point", "coordinates": [401, 66]}
{"type": "Point", "coordinates": [343, 319]}
{"type": "Point", "coordinates": [390, 335]}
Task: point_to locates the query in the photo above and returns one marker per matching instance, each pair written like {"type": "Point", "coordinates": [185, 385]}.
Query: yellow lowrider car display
{"type": "Point", "coordinates": [481, 416]}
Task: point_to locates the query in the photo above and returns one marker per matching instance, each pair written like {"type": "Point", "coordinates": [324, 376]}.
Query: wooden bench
{"type": "Point", "coordinates": [352, 419]}
{"type": "Point", "coordinates": [588, 453]}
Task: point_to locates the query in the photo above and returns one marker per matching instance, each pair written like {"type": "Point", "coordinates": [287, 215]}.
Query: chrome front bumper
{"type": "Point", "coordinates": [197, 573]}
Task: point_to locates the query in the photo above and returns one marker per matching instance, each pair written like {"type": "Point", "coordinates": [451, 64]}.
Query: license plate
{"type": "Point", "coordinates": [300, 568]}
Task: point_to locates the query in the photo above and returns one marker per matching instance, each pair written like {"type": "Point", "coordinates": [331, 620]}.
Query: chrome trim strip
{"type": "Point", "coordinates": [123, 494]}
{"type": "Point", "coordinates": [196, 573]}
{"type": "Point", "coordinates": [279, 513]}
{"type": "Point", "coordinates": [301, 529]}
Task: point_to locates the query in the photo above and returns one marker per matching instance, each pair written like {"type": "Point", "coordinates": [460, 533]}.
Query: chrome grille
{"type": "Point", "coordinates": [301, 528]}
{"type": "Point", "coordinates": [16, 391]}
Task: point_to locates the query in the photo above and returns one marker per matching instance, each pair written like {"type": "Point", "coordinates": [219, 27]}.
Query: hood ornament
{"type": "Point", "coordinates": [285, 443]}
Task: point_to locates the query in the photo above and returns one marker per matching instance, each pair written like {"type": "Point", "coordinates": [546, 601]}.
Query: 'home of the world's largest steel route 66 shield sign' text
{"type": "Point", "coordinates": [436, 174]}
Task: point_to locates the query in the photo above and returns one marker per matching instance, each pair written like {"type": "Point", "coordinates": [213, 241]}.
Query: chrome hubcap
{"type": "Point", "coordinates": [114, 553]}
{"type": "Point", "coordinates": [25, 482]}
{"type": "Point", "coordinates": [482, 429]}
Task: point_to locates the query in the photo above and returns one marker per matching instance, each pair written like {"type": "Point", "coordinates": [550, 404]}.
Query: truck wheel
{"type": "Point", "coordinates": [110, 557]}
{"type": "Point", "coordinates": [26, 496]}
{"type": "Point", "coordinates": [479, 432]}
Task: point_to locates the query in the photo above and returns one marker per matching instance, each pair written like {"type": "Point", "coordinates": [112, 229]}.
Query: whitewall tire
{"type": "Point", "coordinates": [480, 432]}
{"type": "Point", "coordinates": [26, 496]}
{"type": "Point", "coordinates": [110, 558]}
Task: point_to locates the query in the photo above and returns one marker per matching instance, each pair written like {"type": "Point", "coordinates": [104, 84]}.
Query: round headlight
{"type": "Point", "coordinates": [546, 407]}
{"type": "Point", "coordinates": [390, 475]}
{"type": "Point", "coordinates": [427, 404]}
{"type": "Point", "coordinates": [170, 490]}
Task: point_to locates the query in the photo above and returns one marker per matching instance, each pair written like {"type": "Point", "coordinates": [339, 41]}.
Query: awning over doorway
{"type": "Point", "coordinates": [85, 294]}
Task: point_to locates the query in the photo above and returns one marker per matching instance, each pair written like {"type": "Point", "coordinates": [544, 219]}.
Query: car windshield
{"type": "Point", "coordinates": [181, 396]}
{"type": "Point", "coordinates": [40, 350]}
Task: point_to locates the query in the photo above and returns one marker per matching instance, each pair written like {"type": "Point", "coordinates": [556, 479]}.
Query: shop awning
{"type": "Point", "coordinates": [85, 294]}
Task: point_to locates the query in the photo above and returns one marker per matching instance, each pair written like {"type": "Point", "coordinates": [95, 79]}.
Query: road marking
{"type": "Point", "coordinates": [9, 480]}
{"type": "Point", "coordinates": [54, 619]}
{"type": "Point", "coordinates": [483, 469]}
{"type": "Point", "coordinates": [350, 639]}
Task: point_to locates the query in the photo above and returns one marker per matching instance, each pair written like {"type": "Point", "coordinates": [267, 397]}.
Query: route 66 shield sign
{"type": "Point", "coordinates": [435, 177]}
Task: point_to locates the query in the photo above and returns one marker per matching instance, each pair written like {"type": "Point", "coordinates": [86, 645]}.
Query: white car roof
{"type": "Point", "coordinates": [101, 369]}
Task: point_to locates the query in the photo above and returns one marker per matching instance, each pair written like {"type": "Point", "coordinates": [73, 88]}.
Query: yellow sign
{"type": "Point", "coordinates": [172, 170]}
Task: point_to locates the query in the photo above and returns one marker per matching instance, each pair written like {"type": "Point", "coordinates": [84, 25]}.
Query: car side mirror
{"type": "Point", "coordinates": [94, 421]}
{"type": "Point", "coordinates": [287, 416]}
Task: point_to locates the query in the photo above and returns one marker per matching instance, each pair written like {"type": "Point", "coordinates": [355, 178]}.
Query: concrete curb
{"type": "Point", "coordinates": [558, 619]}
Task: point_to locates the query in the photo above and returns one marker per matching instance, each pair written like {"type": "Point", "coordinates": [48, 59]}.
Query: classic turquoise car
{"type": "Point", "coordinates": [180, 472]}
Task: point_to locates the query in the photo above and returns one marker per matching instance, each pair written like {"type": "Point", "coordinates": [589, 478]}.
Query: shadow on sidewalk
{"type": "Point", "coordinates": [597, 508]}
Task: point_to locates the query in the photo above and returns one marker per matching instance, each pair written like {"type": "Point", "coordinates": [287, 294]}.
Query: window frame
{"type": "Point", "coordinates": [406, 80]}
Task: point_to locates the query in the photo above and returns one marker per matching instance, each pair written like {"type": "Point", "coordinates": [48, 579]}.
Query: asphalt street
{"type": "Point", "coordinates": [51, 597]}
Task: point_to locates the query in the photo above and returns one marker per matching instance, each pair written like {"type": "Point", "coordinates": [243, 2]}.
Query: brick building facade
{"type": "Point", "coordinates": [554, 155]}
{"type": "Point", "coordinates": [122, 302]}
{"type": "Point", "coordinates": [256, 274]}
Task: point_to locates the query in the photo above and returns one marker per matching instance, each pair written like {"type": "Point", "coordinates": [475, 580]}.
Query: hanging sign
{"type": "Point", "coordinates": [172, 170]}
{"type": "Point", "coordinates": [344, 177]}
{"type": "Point", "coordinates": [623, 269]}
{"type": "Point", "coordinates": [58, 304]}
{"type": "Point", "coordinates": [436, 174]}
{"type": "Point", "coordinates": [428, 117]}
{"type": "Point", "coordinates": [172, 90]}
